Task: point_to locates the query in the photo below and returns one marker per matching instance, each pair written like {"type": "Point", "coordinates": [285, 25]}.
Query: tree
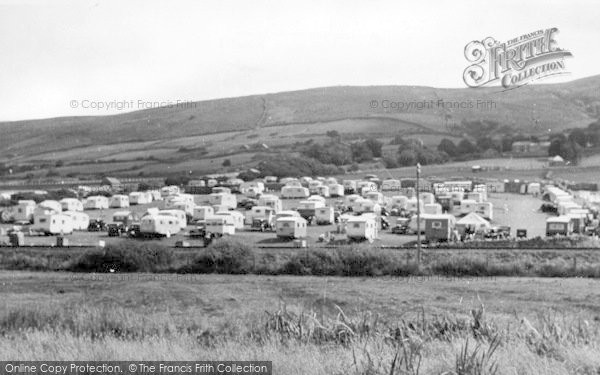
{"type": "Point", "coordinates": [407, 157]}
{"type": "Point", "coordinates": [226, 163]}
{"type": "Point", "coordinates": [466, 147]}
{"type": "Point", "coordinates": [375, 146]}
{"type": "Point", "coordinates": [361, 152]}
{"type": "Point", "coordinates": [447, 146]}
{"type": "Point", "coordinates": [333, 134]}
{"type": "Point", "coordinates": [578, 136]}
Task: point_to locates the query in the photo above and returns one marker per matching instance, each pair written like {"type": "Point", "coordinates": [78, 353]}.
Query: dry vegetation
{"type": "Point", "coordinates": [307, 325]}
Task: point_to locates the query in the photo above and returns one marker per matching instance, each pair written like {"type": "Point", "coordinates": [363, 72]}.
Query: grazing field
{"type": "Point", "coordinates": [307, 325]}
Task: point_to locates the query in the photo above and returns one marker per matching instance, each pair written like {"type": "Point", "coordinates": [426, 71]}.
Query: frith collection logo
{"type": "Point", "coordinates": [516, 62]}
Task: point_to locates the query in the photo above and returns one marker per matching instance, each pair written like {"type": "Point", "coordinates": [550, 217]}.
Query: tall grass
{"type": "Point", "coordinates": [359, 343]}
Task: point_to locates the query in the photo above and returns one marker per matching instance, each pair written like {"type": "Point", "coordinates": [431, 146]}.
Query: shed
{"type": "Point", "coordinates": [559, 225]}
{"type": "Point", "coordinates": [439, 227]}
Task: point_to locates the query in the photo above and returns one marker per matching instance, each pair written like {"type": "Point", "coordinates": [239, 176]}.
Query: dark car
{"type": "Point", "coordinates": [400, 229]}
{"type": "Point", "coordinates": [198, 232]}
{"type": "Point", "coordinates": [134, 231]}
{"type": "Point", "coordinates": [96, 225]}
{"type": "Point", "coordinates": [261, 225]}
{"type": "Point", "coordinates": [247, 203]}
{"type": "Point", "coordinates": [116, 229]}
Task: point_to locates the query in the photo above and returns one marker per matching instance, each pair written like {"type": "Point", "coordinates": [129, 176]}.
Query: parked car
{"type": "Point", "coordinates": [134, 231]}
{"type": "Point", "coordinates": [97, 225]}
{"type": "Point", "coordinates": [247, 203]}
{"type": "Point", "coordinates": [261, 225]}
{"type": "Point", "coordinates": [198, 232]}
{"type": "Point", "coordinates": [116, 229]}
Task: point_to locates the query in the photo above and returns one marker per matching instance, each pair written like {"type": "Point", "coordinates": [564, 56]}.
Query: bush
{"type": "Point", "coordinates": [225, 255]}
{"type": "Point", "coordinates": [125, 257]}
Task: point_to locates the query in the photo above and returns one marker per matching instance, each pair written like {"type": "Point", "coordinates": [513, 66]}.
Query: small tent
{"type": "Point", "coordinates": [474, 221]}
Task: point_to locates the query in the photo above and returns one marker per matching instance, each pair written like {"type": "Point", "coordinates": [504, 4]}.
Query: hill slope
{"type": "Point", "coordinates": [226, 124]}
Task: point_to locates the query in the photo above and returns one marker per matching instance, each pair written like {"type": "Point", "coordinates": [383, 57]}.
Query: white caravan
{"type": "Point", "coordinates": [53, 223]}
{"type": "Point", "coordinates": [236, 216]}
{"type": "Point", "coordinates": [140, 197]}
{"type": "Point", "coordinates": [223, 199]}
{"type": "Point", "coordinates": [96, 202]}
{"type": "Point", "coordinates": [361, 227]}
{"type": "Point", "coordinates": [290, 227]}
{"type": "Point", "coordinates": [220, 224]}
{"type": "Point", "coordinates": [179, 214]}
{"type": "Point", "coordinates": [294, 192]}
{"type": "Point", "coordinates": [160, 225]}
{"type": "Point", "coordinates": [119, 201]}
{"type": "Point", "coordinates": [71, 204]}
{"type": "Point", "coordinates": [272, 201]}
{"type": "Point", "coordinates": [81, 220]}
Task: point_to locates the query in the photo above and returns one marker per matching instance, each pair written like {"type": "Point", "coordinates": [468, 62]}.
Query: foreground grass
{"type": "Point", "coordinates": [307, 325]}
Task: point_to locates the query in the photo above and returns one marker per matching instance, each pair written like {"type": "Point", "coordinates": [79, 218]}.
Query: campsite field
{"type": "Point", "coordinates": [522, 213]}
{"type": "Point", "coordinates": [544, 326]}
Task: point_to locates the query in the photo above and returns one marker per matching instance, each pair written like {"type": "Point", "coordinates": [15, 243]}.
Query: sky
{"type": "Point", "coordinates": [73, 58]}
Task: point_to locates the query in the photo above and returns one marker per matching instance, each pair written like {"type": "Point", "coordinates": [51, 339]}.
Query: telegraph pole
{"type": "Point", "coordinates": [418, 218]}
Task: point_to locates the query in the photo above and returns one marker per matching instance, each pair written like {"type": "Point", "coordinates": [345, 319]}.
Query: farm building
{"type": "Point", "coordinates": [290, 227]}
{"type": "Point", "coordinates": [363, 227]}
{"type": "Point", "coordinates": [474, 222]}
{"type": "Point", "coordinates": [140, 197]}
{"type": "Point", "coordinates": [97, 202]}
{"type": "Point", "coordinates": [220, 224]}
{"type": "Point", "coordinates": [236, 216]}
{"type": "Point", "coordinates": [439, 227]}
{"type": "Point", "coordinates": [336, 190]}
{"type": "Point", "coordinates": [53, 223]}
{"type": "Point", "coordinates": [178, 214]}
{"type": "Point", "coordinates": [324, 215]}
{"type": "Point", "coordinates": [458, 186]}
{"type": "Point", "coordinates": [71, 204]}
{"type": "Point", "coordinates": [559, 225]}
{"type": "Point", "coordinates": [294, 192]}
{"type": "Point", "coordinates": [223, 199]}
{"type": "Point", "coordinates": [112, 183]}
{"type": "Point", "coordinates": [158, 224]}
{"type": "Point", "coordinates": [119, 201]}
{"type": "Point", "coordinates": [272, 201]}
{"type": "Point", "coordinates": [81, 220]}
{"type": "Point", "coordinates": [202, 212]}
{"type": "Point", "coordinates": [52, 205]}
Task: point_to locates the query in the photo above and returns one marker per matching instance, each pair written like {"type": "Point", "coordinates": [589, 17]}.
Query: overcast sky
{"type": "Point", "coordinates": [54, 52]}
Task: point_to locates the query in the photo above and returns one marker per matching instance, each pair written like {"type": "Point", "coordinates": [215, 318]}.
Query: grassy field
{"type": "Point", "coordinates": [307, 325]}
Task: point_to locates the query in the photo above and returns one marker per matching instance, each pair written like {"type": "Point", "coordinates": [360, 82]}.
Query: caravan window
{"type": "Point", "coordinates": [170, 222]}
{"type": "Point", "coordinates": [356, 225]}
{"type": "Point", "coordinates": [436, 224]}
{"type": "Point", "coordinates": [286, 225]}
{"type": "Point", "coordinates": [556, 226]}
{"type": "Point", "coordinates": [42, 220]}
{"type": "Point", "coordinates": [20, 210]}
{"type": "Point", "coordinates": [53, 221]}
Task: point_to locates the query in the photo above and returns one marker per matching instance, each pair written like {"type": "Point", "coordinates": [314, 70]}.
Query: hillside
{"type": "Point", "coordinates": [224, 127]}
